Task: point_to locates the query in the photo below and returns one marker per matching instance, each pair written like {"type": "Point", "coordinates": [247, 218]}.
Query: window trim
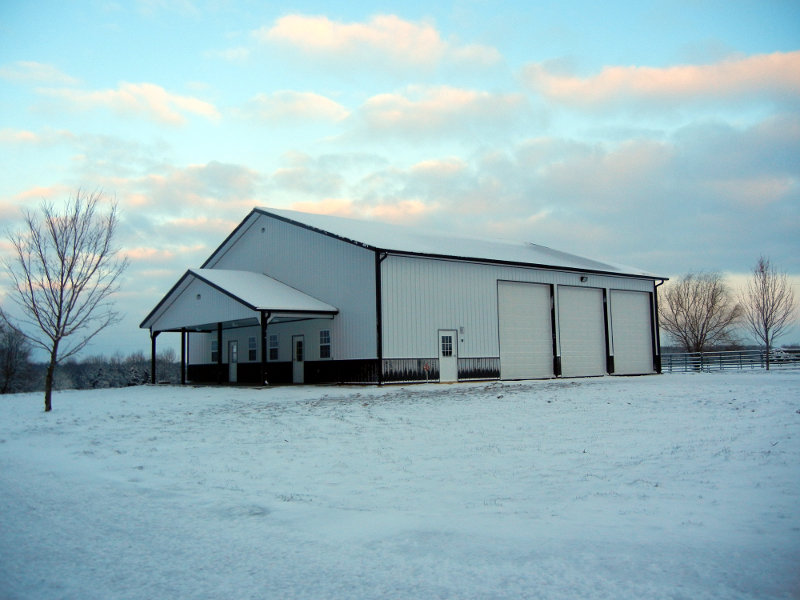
{"type": "Point", "coordinates": [325, 346]}
{"type": "Point", "coordinates": [252, 348]}
{"type": "Point", "coordinates": [447, 345]}
{"type": "Point", "coordinates": [276, 347]}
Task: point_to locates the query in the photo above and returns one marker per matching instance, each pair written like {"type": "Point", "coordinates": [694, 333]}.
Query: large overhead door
{"type": "Point", "coordinates": [632, 332]}
{"type": "Point", "coordinates": [582, 331]}
{"type": "Point", "coordinates": [526, 332]}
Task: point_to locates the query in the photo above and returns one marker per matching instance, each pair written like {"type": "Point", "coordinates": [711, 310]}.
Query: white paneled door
{"type": "Point", "coordinates": [526, 331]}
{"type": "Point", "coordinates": [298, 359]}
{"type": "Point", "coordinates": [233, 361]}
{"type": "Point", "coordinates": [582, 331]}
{"type": "Point", "coordinates": [448, 355]}
{"type": "Point", "coordinates": [632, 332]}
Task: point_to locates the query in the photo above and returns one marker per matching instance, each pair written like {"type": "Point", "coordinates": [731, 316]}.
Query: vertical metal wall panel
{"type": "Point", "coordinates": [422, 295]}
{"type": "Point", "coordinates": [329, 269]}
{"type": "Point", "coordinates": [631, 332]}
{"type": "Point", "coordinates": [581, 324]}
{"type": "Point", "coordinates": [200, 304]}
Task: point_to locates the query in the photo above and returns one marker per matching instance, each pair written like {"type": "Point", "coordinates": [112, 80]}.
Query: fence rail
{"type": "Point", "coordinates": [727, 360]}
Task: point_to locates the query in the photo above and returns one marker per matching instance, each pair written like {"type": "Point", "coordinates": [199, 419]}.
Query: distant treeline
{"type": "Point", "coordinates": [96, 372]}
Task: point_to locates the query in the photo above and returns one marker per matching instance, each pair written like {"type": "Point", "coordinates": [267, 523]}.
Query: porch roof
{"type": "Point", "coordinates": [203, 298]}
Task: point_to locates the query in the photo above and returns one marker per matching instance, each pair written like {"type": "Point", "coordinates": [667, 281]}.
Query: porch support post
{"type": "Point", "coordinates": [264, 321]}
{"type": "Point", "coordinates": [183, 356]}
{"type": "Point", "coordinates": [219, 353]}
{"type": "Point", "coordinates": [153, 336]}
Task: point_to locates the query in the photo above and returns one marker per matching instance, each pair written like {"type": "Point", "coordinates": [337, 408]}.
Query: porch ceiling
{"type": "Point", "coordinates": [203, 298]}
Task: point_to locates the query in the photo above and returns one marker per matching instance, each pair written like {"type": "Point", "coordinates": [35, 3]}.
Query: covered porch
{"type": "Point", "coordinates": [213, 301]}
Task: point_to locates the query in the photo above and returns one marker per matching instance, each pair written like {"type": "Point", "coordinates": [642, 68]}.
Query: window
{"type": "Point", "coordinates": [447, 345]}
{"type": "Point", "coordinates": [325, 343]}
{"type": "Point", "coordinates": [273, 347]}
{"type": "Point", "coordinates": [214, 351]}
{"type": "Point", "coordinates": [251, 348]}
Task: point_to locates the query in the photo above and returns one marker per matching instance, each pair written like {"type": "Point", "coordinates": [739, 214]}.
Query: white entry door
{"type": "Point", "coordinates": [233, 361]}
{"type": "Point", "coordinates": [448, 355]}
{"type": "Point", "coordinates": [298, 359]}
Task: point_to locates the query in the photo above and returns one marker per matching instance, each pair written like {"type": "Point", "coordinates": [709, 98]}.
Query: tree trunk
{"type": "Point", "coordinates": [48, 381]}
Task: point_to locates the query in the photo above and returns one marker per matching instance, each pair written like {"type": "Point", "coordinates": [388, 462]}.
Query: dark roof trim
{"type": "Point", "coordinates": [224, 291]}
{"type": "Point", "coordinates": [190, 273]}
{"type": "Point", "coordinates": [231, 235]}
{"type": "Point", "coordinates": [164, 299]}
{"type": "Point", "coordinates": [266, 213]}
{"type": "Point", "coordinates": [486, 261]}
{"type": "Point", "coordinates": [509, 263]}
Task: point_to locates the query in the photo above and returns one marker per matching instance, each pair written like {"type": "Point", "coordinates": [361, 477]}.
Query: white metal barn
{"type": "Point", "coordinates": [297, 297]}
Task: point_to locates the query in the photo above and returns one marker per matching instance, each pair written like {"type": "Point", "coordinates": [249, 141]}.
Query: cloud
{"type": "Point", "coordinates": [307, 180]}
{"type": "Point", "coordinates": [399, 211]}
{"type": "Point", "coordinates": [403, 211]}
{"type": "Point", "coordinates": [710, 196]}
{"type": "Point", "coordinates": [186, 190]}
{"type": "Point", "coordinates": [432, 111]}
{"type": "Point", "coordinates": [18, 136]}
{"type": "Point", "coordinates": [341, 207]}
{"type": "Point", "coordinates": [291, 106]}
{"type": "Point", "coordinates": [35, 72]}
{"type": "Point", "coordinates": [145, 100]}
{"type": "Point", "coordinates": [325, 176]}
{"type": "Point", "coordinates": [766, 76]}
{"type": "Point", "coordinates": [235, 54]}
{"type": "Point", "coordinates": [381, 39]}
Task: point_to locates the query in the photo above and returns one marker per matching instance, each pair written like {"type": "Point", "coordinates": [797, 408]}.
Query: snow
{"type": "Point", "coordinates": [253, 290]}
{"type": "Point", "coordinates": [398, 238]}
{"type": "Point", "coordinates": [262, 292]}
{"type": "Point", "coordinates": [673, 486]}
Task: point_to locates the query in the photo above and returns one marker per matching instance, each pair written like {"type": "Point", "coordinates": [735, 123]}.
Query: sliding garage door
{"type": "Point", "coordinates": [526, 333]}
{"type": "Point", "coordinates": [632, 332]}
{"type": "Point", "coordinates": [582, 331]}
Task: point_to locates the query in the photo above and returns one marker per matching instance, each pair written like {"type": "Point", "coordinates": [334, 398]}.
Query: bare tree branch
{"type": "Point", "coordinates": [64, 272]}
{"type": "Point", "coordinates": [769, 304]}
{"type": "Point", "coordinates": [699, 312]}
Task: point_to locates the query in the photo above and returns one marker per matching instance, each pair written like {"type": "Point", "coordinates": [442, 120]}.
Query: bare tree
{"type": "Point", "coordinates": [699, 312]}
{"type": "Point", "coordinates": [769, 303]}
{"type": "Point", "coordinates": [15, 354]}
{"type": "Point", "coordinates": [64, 271]}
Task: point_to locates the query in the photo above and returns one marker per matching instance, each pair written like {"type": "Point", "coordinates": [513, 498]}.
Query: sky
{"type": "Point", "coordinates": [660, 134]}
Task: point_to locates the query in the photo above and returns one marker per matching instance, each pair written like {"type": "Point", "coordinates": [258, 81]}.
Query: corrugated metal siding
{"type": "Point", "coordinates": [331, 270]}
{"type": "Point", "coordinates": [421, 296]}
{"type": "Point", "coordinates": [188, 309]}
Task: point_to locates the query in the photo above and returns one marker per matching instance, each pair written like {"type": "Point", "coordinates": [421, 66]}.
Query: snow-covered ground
{"type": "Point", "coordinates": [674, 486]}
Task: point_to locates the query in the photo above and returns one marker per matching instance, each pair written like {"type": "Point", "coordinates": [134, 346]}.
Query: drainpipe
{"type": "Point", "coordinates": [656, 326]}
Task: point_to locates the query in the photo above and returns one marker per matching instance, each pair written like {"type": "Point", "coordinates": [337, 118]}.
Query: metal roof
{"type": "Point", "coordinates": [408, 240]}
{"type": "Point", "coordinates": [254, 291]}
{"type": "Point", "coordinates": [261, 292]}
